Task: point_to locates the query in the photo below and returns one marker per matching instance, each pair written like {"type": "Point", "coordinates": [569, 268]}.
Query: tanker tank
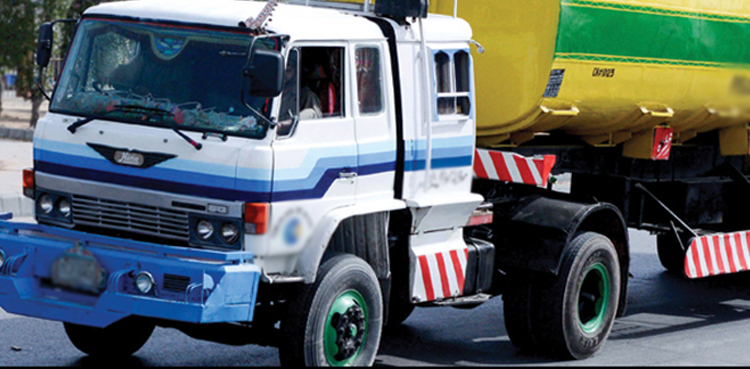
{"type": "Point", "coordinates": [610, 72]}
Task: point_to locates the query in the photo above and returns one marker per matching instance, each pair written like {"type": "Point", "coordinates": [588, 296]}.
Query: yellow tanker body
{"type": "Point", "coordinates": [610, 71]}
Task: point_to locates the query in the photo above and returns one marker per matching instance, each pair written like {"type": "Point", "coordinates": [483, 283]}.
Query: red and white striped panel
{"type": "Point", "coordinates": [718, 254]}
{"type": "Point", "coordinates": [510, 167]}
{"type": "Point", "coordinates": [440, 275]}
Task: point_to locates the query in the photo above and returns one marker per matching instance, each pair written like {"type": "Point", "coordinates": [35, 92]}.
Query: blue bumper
{"type": "Point", "coordinates": [191, 285]}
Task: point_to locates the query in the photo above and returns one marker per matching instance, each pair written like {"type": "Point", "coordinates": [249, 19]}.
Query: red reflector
{"type": "Point", "coordinates": [256, 214]}
{"type": "Point", "coordinates": [480, 217]}
{"type": "Point", "coordinates": [28, 183]}
{"type": "Point", "coordinates": [662, 143]}
{"type": "Point", "coordinates": [28, 178]}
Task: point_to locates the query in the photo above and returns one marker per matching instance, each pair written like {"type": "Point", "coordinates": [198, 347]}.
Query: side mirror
{"type": "Point", "coordinates": [44, 45]}
{"type": "Point", "coordinates": [265, 73]}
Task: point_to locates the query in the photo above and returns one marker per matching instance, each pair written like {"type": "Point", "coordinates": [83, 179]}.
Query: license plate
{"type": "Point", "coordinates": [77, 268]}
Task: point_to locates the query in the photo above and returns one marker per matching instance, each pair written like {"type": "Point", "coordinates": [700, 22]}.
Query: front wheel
{"type": "Point", "coordinates": [578, 308]}
{"type": "Point", "coordinates": [122, 338]}
{"type": "Point", "coordinates": [336, 321]}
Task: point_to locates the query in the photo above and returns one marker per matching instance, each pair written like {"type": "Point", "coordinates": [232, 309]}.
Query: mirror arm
{"type": "Point", "coordinates": [40, 86]}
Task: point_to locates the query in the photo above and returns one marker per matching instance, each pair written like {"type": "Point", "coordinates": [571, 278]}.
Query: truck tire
{"type": "Point", "coordinates": [577, 309]}
{"type": "Point", "coordinates": [336, 321]}
{"type": "Point", "coordinates": [122, 338]}
{"type": "Point", "coordinates": [670, 253]}
{"type": "Point", "coordinates": [519, 313]}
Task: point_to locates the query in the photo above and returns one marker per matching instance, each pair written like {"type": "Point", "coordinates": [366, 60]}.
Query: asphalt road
{"type": "Point", "coordinates": [670, 321]}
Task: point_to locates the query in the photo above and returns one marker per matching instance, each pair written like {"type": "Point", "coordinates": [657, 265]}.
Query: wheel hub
{"type": "Point", "coordinates": [350, 329]}
{"type": "Point", "coordinates": [593, 298]}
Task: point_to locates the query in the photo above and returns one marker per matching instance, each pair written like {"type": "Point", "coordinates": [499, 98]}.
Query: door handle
{"type": "Point", "coordinates": [347, 175]}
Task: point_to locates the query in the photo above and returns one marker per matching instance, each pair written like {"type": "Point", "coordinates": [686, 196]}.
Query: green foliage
{"type": "Point", "coordinates": [74, 11]}
{"type": "Point", "coordinates": [17, 20]}
{"type": "Point", "coordinates": [19, 26]}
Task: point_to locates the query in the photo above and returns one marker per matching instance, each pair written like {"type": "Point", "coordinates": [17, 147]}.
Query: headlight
{"type": "Point", "coordinates": [63, 206]}
{"type": "Point", "coordinates": [2, 258]}
{"type": "Point", "coordinates": [144, 281]}
{"type": "Point", "coordinates": [229, 233]}
{"type": "Point", "coordinates": [45, 204]}
{"type": "Point", "coordinates": [204, 230]}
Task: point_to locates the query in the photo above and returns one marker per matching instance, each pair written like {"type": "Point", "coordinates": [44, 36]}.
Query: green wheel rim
{"type": "Point", "coordinates": [593, 298]}
{"type": "Point", "coordinates": [346, 329]}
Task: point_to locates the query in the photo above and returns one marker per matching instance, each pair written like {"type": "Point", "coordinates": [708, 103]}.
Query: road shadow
{"type": "Point", "coordinates": [413, 345]}
{"type": "Point", "coordinates": [108, 362]}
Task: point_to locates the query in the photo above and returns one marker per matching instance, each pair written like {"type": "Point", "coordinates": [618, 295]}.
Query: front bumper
{"type": "Point", "coordinates": [191, 285]}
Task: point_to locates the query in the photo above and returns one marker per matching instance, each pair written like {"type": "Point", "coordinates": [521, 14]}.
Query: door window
{"type": "Point", "coordinates": [313, 86]}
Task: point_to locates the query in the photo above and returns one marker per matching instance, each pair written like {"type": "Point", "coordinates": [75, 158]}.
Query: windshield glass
{"type": "Point", "coordinates": [195, 74]}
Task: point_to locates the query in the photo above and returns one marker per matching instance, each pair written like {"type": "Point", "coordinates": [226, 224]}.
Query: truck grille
{"type": "Point", "coordinates": [129, 217]}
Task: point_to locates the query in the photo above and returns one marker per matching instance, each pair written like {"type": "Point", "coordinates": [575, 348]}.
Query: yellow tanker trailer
{"type": "Point", "coordinates": [610, 71]}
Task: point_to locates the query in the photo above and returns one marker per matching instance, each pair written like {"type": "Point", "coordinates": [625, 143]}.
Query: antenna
{"type": "Point", "coordinates": [258, 22]}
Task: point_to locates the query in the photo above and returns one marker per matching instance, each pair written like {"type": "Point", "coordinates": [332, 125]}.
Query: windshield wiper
{"type": "Point", "coordinates": [74, 127]}
{"type": "Point", "coordinates": [151, 112]}
{"type": "Point", "coordinates": [119, 108]}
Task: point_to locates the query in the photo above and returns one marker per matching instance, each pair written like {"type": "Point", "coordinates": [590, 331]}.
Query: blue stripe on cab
{"type": "Point", "coordinates": [152, 184]}
{"type": "Point", "coordinates": [446, 153]}
{"type": "Point", "coordinates": [310, 180]}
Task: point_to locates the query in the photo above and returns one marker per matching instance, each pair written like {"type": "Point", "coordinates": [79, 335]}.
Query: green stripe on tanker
{"type": "Point", "coordinates": [647, 34]}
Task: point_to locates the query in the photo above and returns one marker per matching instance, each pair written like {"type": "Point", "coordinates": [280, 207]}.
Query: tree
{"type": "Point", "coordinates": [19, 25]}
{"type": "Point", "coordinates": [16, 28]}
{"type": "Point", "coordinates": [2, 89]}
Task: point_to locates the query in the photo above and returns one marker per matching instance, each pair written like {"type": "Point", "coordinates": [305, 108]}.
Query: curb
{"type": "Point", "coordinates": [17, 134]}
{"type": "Point", "coordinates": [20, 206]}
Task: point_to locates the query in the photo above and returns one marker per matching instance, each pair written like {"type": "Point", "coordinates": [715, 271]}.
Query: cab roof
{"type": "Point", "coordinates": [298, 21]}
{"type": "Point", "coordinates": [294, 20]}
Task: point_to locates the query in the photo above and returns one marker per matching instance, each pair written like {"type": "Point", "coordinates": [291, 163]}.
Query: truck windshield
{"type": "Point", "coordinates": [195, 74]}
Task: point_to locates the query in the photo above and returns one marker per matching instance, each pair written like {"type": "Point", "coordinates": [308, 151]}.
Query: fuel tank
{"type": "Point", "coordinates": [606, 70]}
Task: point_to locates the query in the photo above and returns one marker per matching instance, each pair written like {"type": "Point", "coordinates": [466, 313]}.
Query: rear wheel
{"type": "Point", "coordinates": [577, 309]}
{"type": "Point", "coordinates": [122, 338]}
{"type": "Point", "coordinates": [336, 321]}
{"type": "Point", "coordinates": [670, 253]}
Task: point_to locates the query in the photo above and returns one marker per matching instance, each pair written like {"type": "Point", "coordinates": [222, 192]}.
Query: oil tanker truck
{"type": "Point", "coordinates": [305, 174]}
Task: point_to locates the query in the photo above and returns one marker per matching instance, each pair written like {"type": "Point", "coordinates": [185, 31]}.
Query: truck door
{"type": "Point", "coordinates": [315, 151]}
{"type": "Point", "coordinates": [373, 122]}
